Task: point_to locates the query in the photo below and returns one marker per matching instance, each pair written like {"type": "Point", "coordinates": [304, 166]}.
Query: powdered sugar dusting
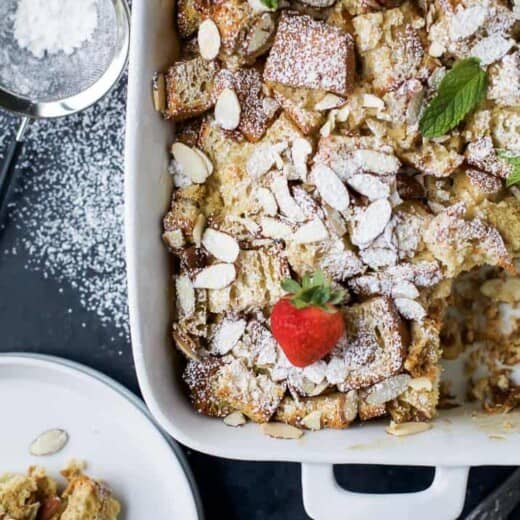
{"type": "Point", "coordinates": [68, 206]}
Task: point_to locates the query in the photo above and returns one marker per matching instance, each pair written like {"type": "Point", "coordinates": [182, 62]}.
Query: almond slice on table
{"type": "Point", "coordinates": [49, 442]}
{"type": "Point", "coordinates": [372, 222]}
{"type": "Point", "coordinates": [371, 101]}
{"type": "Point", "coordinates": [281, 430]}
{"type": "Point", "coordinates": [312, 231]}
{"type": "Point", "coordinates": [331, 188]}
{"type": "Point", "coordinates": [217, 276]}
{"type": "Point", "coordinates": [227, 110]}
{"type": "Point", "coordinates": [235, 419]}
{"type": "Point", "coordinates": [208, 38]}
{"type": "Point", "coordinates": [267, 201]}
{"type": "Point", "coordinates": [407, 428]}
{"type": "Point", "coordinates": [185, 295]}
{"type": "Point", "coordinates": [190, 162]}
{"type": "Point", "coordinates": [220, 245]}
{"type": "Point", "coordinates": [328, 102]}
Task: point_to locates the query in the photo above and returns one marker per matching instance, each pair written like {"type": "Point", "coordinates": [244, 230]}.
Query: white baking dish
{"type": "Point", "coordinates": [457, 440]}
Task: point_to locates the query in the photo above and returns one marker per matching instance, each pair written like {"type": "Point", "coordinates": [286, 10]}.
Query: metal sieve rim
{"type": "Point", "coordinates": [72, 104]}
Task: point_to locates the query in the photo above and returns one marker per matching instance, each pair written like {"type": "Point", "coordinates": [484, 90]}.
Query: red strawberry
{"type": "Point", "coordinates": [306, 323]}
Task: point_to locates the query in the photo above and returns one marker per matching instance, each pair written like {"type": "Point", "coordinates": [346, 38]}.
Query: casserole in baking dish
{"type": "Point", "coordinates": [148, 193]}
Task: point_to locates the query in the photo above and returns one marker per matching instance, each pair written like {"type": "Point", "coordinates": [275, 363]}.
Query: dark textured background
{"type": "Point", "coordinates": [43, 313]}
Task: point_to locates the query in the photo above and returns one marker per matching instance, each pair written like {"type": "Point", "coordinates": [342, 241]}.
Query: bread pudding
{"type": "Point", "coordinates": [345, 211]}
{"type": "Point", "coordinates": [35, 496]}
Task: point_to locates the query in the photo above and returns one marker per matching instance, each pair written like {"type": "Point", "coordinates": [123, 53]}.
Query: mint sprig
{"type": "Point", "coordinates": [460, 91]}
{"type": "Point", "coordinates": [271, 4]}
{"type": "Point", "coordinates": [315, 290]}
{"type": "Point", "coordinates": [514, 161]}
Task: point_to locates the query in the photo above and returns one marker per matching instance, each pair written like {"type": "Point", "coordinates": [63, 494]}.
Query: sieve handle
{"type": "Point", "coordinates": [8, 165]}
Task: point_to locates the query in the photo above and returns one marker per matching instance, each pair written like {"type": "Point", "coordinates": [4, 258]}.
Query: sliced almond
{"type": "Point", "coordinates": [260, 35]}
{"type": "Point", "coordinates": [217, 276]}
{"type": "Point", "coordinates": [467, 21]}
{"type": "Point", "coordinates": [186, 344]}
{"type": "Point", "coordinates": [372, 222]}
{"type": "Point", "coordinates": [174, 238]}
{"type": "Point", "coordinates": [185, 295]}
{"type": "Point", "coordinates": [379, 163]}
{"type": "Point", "coordinates": [410, 309]}
{"type": "Point", "coordinates": [420, 383]}
{"type": "Point", "coordinates": [281, 430]}
{"type": "Point", "coordinates": [227, 110]}
{"type": "Point", "coordinates": [208, 38]}
{"type": "Point", "coordinates": [49, 442]}
{"type": "Point", "coordinates": [342, 114]}
{"type": "Point", "coordinates": [220, 245]}
{"type": "Point", "coordinates": [159, 92]}
{"type": "Point", "coordinates": [228, 333]}
{"type": "Point", "coordinates": [300, 151]}
{"type": "Point", "coordinates": [235, 419]}
{"type": "Point", "coordinates": [285, 200]}
{"type": "Point", "coordinates": [198, 228]}
{"type": "Point", "coordinates": [369, 186]}
{"type": "Point", "coordinates": [312, 421]}
{"type": "Point", "coordinates": [331, 188]}
{"type": "Point", "coordinates": [327, 128]}
{"type": "Point", "coordinates": [267, 201]}
{"type": "Point", "coordinates": [407, 428]}
{"type": "Point", "coordinates": [261, 160]}
{"type": "Point", "coordinates": [387, 389]}
{"type": "Point", "coordinates": [371, 101]}
{"type": "Point", "coordinates": [436, 49]}
{"type": "Point", "coordinates": [312, 231]}
{"type": "Point", "coordinates": [190, 162]}
{"type": "Point", "coordinates": [328, 102]}
{"type": "Point", "coordinates": [275, 228]}
{"type": "Point", "coordinates": [490, 49]}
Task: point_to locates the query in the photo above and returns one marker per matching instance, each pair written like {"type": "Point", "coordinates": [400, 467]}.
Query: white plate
{"type": "Point", "coordinates": [109, 428]}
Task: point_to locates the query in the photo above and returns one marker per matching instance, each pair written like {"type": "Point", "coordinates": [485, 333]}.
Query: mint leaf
{"type": "Point", "coordinates": [272, 4]}
{"type": "Point", "coordinates": [460, 91]}
{"type": "Point", "coordinates": [290, 286]}
{"type": "Point", "coordinates": [514, 161]}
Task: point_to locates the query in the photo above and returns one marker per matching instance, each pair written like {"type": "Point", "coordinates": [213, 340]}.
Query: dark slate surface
{"type": "Point", "coordinates": [40, 313]}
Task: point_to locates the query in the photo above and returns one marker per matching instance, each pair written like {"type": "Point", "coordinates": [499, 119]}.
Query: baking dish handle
{"type": "Point", "coordinates": [324, 499]}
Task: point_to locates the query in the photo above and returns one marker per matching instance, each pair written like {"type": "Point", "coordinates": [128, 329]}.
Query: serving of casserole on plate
{"type": "Point", "coordinates": [345, 158]}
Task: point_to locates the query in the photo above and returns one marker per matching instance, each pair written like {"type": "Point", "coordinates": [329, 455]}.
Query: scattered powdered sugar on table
{"type": "Point", "coordinates": [54, 26]}
{"type": "Point", "coordinates": [68, 206]}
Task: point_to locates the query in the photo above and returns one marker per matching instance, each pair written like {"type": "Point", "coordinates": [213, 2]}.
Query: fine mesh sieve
{"type": "Point", "coordinates": [58, 84]}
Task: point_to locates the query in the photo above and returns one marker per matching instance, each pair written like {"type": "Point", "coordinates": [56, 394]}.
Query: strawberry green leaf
{"type": "Point", "coordinates": [337, 297]}
{"type": "Point", "coordinates": [290, 286]}
{"type": "Point", "coordinates": [272, 4]}
{"type": "Point", "coordinates": [514, 161]}
{"type": "Point", "coordinates": [460, 91]}
{"type": "Point", "coordinates": [306, 281]}
{"type": "Point", "coordinates": [318, 278]}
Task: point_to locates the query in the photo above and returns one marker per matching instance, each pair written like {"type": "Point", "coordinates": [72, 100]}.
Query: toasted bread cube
{"type": "Point", "coordinates": [369, 411]}
{"type": "Point", "coordinates": [299, 104]}
{"type": "Point", "coordinates": [232, 17]}
{"type": "Point", "coordinates": [336, 410]}
{"type": "Point", "coordinates": [260, 273]}
{"type": "Point", "coordinates": [255, 395]}
{"type": "Point", "coordinates": [311, 54]}
{"type": "Point", "coordinates": [392, 47]}
{"type": "Point", "coordinates": [201, 378]}
{"type": "Point", "coordinates": [189, 88]}
{"type": "Point", "coordinates": [377, 340]}
{"type": "Point", "coordinates": [189, 15]}
{"type": "Point", "coordinates": [247, 85]}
